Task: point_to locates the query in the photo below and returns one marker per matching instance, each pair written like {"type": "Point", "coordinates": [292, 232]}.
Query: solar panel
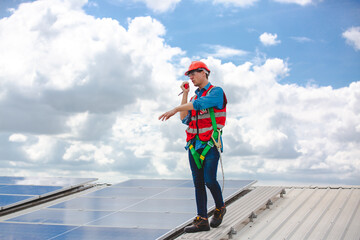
{"type": "Point", "coordinates": [96, 233]}
{"type": "Point", "coordinates": [18, 190]}
{"type": "Point", "coordinates": [41, 232]}
{"type": "Point", "coordinates": [144, 220]}
{"type": "Point", "coordinates": [85, 203]}
{"type": "Point", "coordinates": [134, 192]}
{"type": "Point", "coordinates": [7, 200]}
{"type": "Point", "coordinates": [28, 190]}
{"type": "Point", "coordinates": [44, 181]}
{"type": "Point", "coordinates": [145, 183]}
{"type": "Point", "coordinates": [134, 209]}
{"type": "Point", "coordinates": [31, 231]}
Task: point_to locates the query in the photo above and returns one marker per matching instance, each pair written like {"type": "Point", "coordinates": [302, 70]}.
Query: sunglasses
{"type": "Point", "coordinates": [191, 73]}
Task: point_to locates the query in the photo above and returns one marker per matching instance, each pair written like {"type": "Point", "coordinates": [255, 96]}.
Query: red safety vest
{"type": "Point", "coordinates": [200, 123]}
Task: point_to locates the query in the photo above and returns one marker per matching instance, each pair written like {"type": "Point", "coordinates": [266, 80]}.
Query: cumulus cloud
{"type": "Point", "coordinates": [42, 150]}
{"type": "Point", "coordinates": [83, 94]}
{"type": "Point", "coordinates": [269, 39]}
{"type": "Point", "coordinates": [79, 151]}
{"type": "Point", "coordinates": [352, 36]}
{"type": "Point", "coordinates": [278, 128]}
{"type": "Point", "coordinates": [67, 76]}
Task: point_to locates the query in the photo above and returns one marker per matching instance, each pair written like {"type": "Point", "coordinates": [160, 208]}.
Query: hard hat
{"type": "Point", "coordinates": [197, 65]}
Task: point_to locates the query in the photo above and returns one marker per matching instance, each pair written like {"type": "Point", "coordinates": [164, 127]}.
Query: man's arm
{"type": "Point", "coordinates": [184, 101]}
{"type": "Point", "coordinates": [182, 108]}
{"type": "Point", "coordinates": [214, 99]}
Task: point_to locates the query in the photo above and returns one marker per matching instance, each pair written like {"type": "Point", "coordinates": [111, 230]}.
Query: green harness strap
{"type": "Point", "coordinates": [199, 158]}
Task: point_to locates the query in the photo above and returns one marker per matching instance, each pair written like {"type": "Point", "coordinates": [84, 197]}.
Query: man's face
{"type": "Point", "coordinates": [197, 77]}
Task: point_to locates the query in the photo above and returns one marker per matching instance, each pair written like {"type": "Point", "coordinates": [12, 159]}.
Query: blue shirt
{"type": "Point", "coordinates": [214, 99]}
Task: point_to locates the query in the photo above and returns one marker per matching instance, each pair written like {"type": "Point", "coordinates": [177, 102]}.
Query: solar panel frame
{"type": "Point", "coordinates": [58, 184]}
{"type": "Point", "coordinates": [44, 181]}
{"type": "Point", "coordinates": [28, 190]}
{"type": "Point", "coordinates": [9, 200]}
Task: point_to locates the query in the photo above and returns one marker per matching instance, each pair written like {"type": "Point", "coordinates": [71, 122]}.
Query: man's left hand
{"type": "Point", "coordinates": [167, 115]}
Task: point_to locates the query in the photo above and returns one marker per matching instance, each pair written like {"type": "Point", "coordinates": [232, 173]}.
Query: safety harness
{"type": "Point", "coordinates": [214, 141]}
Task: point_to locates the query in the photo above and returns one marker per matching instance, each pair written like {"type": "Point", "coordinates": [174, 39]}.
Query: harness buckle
{"type": "Point", "coordinates": [218, 142]}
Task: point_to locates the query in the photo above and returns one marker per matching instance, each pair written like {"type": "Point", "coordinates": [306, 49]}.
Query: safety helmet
{"type": "Point", "coordinates": [198, 65]}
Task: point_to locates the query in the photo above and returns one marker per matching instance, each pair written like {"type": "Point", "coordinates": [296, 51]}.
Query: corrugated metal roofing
{"type": "Point", "coordinates": [302, 213]}
{"type": "Point", "coordinates": [239, 211]}
{"type": "Point", "coordinates": [309, 213]}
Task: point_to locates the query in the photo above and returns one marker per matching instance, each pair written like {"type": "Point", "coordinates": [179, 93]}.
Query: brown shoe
{"type": "Point", "coordinates": [199, 224]}
{"type": "Point", "coordinates": [218, 217]}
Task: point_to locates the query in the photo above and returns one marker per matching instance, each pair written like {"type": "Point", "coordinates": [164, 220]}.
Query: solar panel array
{"type": "Point", "coordinates": [134, 209]}
{"type": "Point", "coordinates": [18, 190]}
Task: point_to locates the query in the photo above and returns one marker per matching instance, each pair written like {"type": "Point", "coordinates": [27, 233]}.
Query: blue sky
{"type": "Point", "coordinates": [83, 82]}
{"type": "Point", "coordinates": [310, 35]}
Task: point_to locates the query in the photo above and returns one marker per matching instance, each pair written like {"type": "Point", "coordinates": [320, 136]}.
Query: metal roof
{"type": "Point", "coordinates": [302, 213]}
{"type": "Point", "coordinates": [309, 213]}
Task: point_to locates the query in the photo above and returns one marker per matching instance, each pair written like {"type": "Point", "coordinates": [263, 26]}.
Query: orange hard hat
{"type": "Point", "coordinates": [197, 65]}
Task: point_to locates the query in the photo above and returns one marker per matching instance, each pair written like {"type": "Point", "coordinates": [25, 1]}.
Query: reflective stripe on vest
{"type": "Point", "coordinates": [207, 115]}
{"type": "Point", "coordinates": [203, 130]}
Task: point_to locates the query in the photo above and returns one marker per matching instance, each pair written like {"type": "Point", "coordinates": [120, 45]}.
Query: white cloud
{"type": "Point", "coordinates": [302, 39]}
{"type": "Point", "coordinates": [67, 76]}
{"type": "Point", "coordinates": [92, 4]}
{"type": "Point", "coordinates": [352, 36]}
{"type": "Point", "coordinates": [269, 39]}
{"type": "Point", "coordinates": [278, 129]}
{"type": "Point", "coordinates": [79, 151]}
{"type": "Point", "coordinates": [17, 138]}
{"type": "Point", "coordinates": [160, 5]}
{"type": "Point", "coordinates": [78, 120]}
{"type": "Point", "coordinates": [225, 52]}
{"type": "Point", "coordinates": [299, 2]}
{"type": "Point", "coordinates": [236, 3]}
{"type": "Point", "coordinates": [42, 150]}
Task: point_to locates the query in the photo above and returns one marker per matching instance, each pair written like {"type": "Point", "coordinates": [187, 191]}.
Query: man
{"type": "Point", "coordinates": [205, 115]}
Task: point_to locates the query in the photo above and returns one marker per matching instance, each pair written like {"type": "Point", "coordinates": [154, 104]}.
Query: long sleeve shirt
{"type": "Point", "coordinates": [214, 99]}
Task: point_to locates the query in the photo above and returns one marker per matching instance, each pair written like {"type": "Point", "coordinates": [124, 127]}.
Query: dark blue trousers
{"type": "Point", "coordinates": [206, 176]}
